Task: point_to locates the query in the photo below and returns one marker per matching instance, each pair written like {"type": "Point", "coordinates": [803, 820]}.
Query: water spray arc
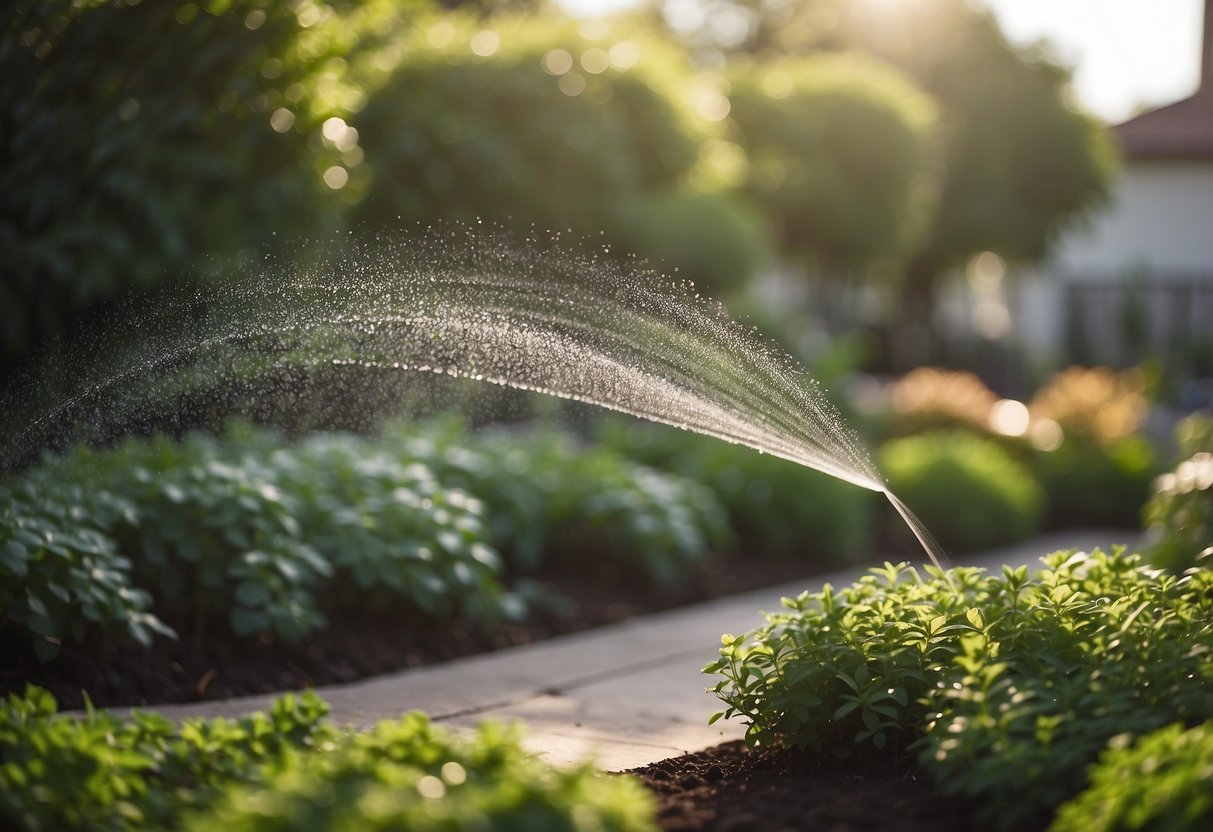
{"type": "Point", "coordinates": [534, 317]}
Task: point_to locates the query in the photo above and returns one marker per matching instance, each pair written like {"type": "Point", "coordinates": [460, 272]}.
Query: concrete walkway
{"type": "Point", "coordinates": [624, 695]}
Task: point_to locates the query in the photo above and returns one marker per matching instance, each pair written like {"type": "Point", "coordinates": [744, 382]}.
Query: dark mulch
{"type": "Point", "coordinates": [353, 647]}
{"type": "Point", "coordinates": [731, 789]}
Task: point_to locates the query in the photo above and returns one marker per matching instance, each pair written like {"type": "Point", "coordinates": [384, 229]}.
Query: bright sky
{"type": "Point", "coordinates": [1126, 53]}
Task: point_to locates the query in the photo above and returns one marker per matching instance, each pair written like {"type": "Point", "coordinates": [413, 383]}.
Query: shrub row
{"type": "Point", "coordinates": [1004, 688]}
{"type": "Point", "coordinates": [289, 768]}
{"type": "Point", "coordinates": [1075, 460]}
{"type": "Point", "coordinates": [270, 537]}
{"type": "Point", "coordinates": [1180, 514]}
{"type": "Point", "coordinates": [776, 508]}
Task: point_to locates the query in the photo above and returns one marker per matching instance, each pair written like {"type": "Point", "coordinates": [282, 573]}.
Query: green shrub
{"type": "Point", "coordinates": [1089, 484]}
{"type": "Point", "coordinates": [1006, 687]}
{"type": "Point", "coordinates": [526, 133]}
{"type": "Point", "coordinates": [412, 775]}
{"type": "Point", "coordinates": [836, 144]}
{"type": "Point", "coordinates": [655, 523]}
{"type": "Point", "coordinates": [775, 508]}
{"type": "Point", "coordinates": [551, 503]}
{"type": "Point", "coordinates": [275, 537]}
{"type": "Point", "coordinates": [288, 769]}
{"type": "Point", "coordinates": [1180, 515]}
{"type": "Point", "coordinates": [1161, 781]}
{"type": "Point", "coordinates": [267, 536]}
{"type": "Point", "coordinates": [99, 772]}
{"type": "Point", "coordinates": [214, 534]}
{"type": "Point", "coordinates": [393, 531]}
{"type": "Point", "coordinates": [60, 574]}
{"type": "Point", "coordinates": [710, 238]}
{"type": "Point", "coordinates": [968, 491]}
{"type": "Point", "coordinates": [138, 137]}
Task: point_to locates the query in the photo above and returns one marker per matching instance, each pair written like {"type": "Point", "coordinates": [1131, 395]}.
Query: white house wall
{"type": "Point", "coordinates": [1158, 225]}
{"type": "Point", "coordinates": [1160, 218]}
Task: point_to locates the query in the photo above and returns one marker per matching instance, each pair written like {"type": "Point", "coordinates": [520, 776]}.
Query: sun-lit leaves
{"type": "Point", "coordinates": [1159, 781]}
{"type": "Point", "coordinates": [288, 768]}
{"type": "Point", "coordinates": [989, 679]}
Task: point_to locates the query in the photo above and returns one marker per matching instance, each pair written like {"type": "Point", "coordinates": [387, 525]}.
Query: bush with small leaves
{"type": "Point", "coordinates": [288, 769]}
{"type": "Point", "coordinates": [410, 774]}
{"type": "Point", "coordinates": [968, 491]}
{"type": "Point", "coordinates": [990, 679]}
{"type": "Point", "coordinates": [100, 772]}
{"type": "Point", "coordinates": [1162, 781]}
{"type": "Point", "coordinates": [1180, 515]}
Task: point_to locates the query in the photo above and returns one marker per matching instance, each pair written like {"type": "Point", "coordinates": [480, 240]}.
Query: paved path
{"type": "Point", "coordinates": [626, 695]}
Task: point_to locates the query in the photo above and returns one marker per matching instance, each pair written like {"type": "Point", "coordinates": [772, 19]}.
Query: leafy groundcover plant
{"type": "Point", "coordinates": [255, 534]}
{"type": "Point", "coordinates": [288, 769]}
{"type": "Point", "coordinates": [1003, 688]}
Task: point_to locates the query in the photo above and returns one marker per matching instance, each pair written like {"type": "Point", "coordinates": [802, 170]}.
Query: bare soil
{"type": "Point", "coordinates": [732, 789]}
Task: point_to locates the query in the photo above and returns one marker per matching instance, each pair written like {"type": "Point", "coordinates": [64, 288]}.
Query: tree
{"type": "Point", "coordinates": [529, 121]}
{"type": "Point", "coordinates": [137, 137]}
{"type": "Point", "coordinates": [1018, 162]}
{"type": "Point", "coordinates": [836, 145]}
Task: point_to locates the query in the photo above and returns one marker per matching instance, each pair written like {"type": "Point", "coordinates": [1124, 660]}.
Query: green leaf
{"type": "Point", "coordinates": [13, 558]}
{"type": "Point", "coordinates": [246, 622]}
{"type": "Point", "coordinates": [844, 709]}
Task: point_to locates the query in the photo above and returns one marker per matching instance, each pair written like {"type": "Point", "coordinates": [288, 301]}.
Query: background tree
{"type": "Point", "coordinates": [137, 136]}
{"type": "Point", "coordinates": [836, 145]}
{"type": "Point", "coordinates": [530, 122]}
{"type": "Point", "coordinates": [1017, 160]}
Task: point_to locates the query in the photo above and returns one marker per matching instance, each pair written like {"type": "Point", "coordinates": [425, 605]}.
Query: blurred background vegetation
{"type": "Point", "coordinates": [866, 159]}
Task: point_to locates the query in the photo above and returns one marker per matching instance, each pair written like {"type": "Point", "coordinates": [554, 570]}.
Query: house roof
{"type": "Point", "coordinates": [1183, 130]}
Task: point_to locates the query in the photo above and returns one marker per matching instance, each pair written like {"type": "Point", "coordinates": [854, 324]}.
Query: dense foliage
{"type": "Point", "coordinates": [265, 536]}
{"type": "Point", "coordinates": [1159, 781]}
{"type": "Point", "coordinates": [1079, 438]}
{"type": "Point", "coordinates": [989, 680]}
{"type": "Point", "coordinates": [549, 500]}
{"type": "Point", "coordinates": [1180, 515]}
{"type": "Point", "coordinates": [1015, 161]}
{"type": "Point", "coordinates": [1088, 484]}
{"type": "Point", "coordinates": [505, 121]}
{"type": "Point", "coordinates": [968, 491]}
{"type": "Point", "coordinates": [138, 136]}
{"type": "Point", "coordinates": [776, 508]}
{"type": "Point", "coordinates": [836, 145]}
{"type": "Point", "coordinates": [288, 769]}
